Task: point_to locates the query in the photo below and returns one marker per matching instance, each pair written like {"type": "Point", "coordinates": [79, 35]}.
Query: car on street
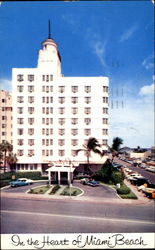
{"type": "Point", "coordinates": [93, 183]}
{"type": "Point", "coordinates": [21, 182]}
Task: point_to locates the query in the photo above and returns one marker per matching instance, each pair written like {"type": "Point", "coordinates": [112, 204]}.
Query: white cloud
{"type": "Point", "coordinates": [5, 84]}
{"type": "Point", "coordinates": [99, 51]}
{"type": "Point", "coordinates": [128, 33]}
{"type": "Point", "coordinates": [147, 90]}
{"type": "Point", "coordinates": [148, 62]}
{"type": "Point", "coordinates": [135, 122]}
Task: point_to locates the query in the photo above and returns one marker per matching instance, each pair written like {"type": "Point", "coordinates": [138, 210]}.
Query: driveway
{"type": "Point", "coordinates": [102, 191]}
{"type": "Point", "coordinates": [99, 191]}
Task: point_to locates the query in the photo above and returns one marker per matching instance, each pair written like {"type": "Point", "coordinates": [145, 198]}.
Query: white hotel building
{"type": "Point", "coordinates": [53, 115]}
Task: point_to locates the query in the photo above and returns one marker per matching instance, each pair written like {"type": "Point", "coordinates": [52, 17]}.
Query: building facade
{"type": "Point", "coordinates": [5, 116]}
{"type": "Point", "coordinates": [53, 115]}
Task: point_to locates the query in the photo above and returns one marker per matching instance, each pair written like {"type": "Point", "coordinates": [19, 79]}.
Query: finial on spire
{"type": "Point", "coordinates": [49, 29]}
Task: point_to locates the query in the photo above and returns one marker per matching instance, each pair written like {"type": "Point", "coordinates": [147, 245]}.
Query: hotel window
{"type": "Point", "coordinates": [47, 111]}
{"type": "Point", "coordinates": [51, 142]}
{"type": "Point", "coordinates": [20, 88]}
{"type": "Point", "coordinates": [30, 142]}
{"type": "Point", "coordinates": [51, 120]}
{"type": "Point", "coordinates": [61, 131]}
{"type": "Point", "coordinates": [30, 152]}
{"type": "Point", "coordinates": [105, 99]}
{"type": "Point", "coordinates": [51, 88]}
{"type": "Point", "coordinates": [51, 99]}
{"type": "Point", "coordinates": [87, 100]}
{"type": "Point", "coordinates": [43, 110]}
{"type": "Point", "coordinates": [104, 131]}
{"type": "Point", "coordinates": [61, 89]}
{"type": "Point", "coordinates": [74, 132]}
{"type": "Point", "coordinates": [20, 120]}
{"type": "Point", "coordinates": [105, 121]}
{"type": "Point", "coordinates": [31, 131]}
{"type": "Point", "coordinates": [51, 110]}
{"type": "Point", "coordinates": [20, 142]}
{"type": "Point", "coordinates": [61, 111]}
{"type": "Point", "coordinates": [30, 121]}
{"type": "Point", "coordinates": [3, 108]}
{"type": "Point", "coordinates": [105, 110]}
{"type": "Point", "coordinates": [61, 142]}
{"type": "Point", "coordinates": [87, 89]}
{"type": "Point", "coordinates": [20, 78]}
{"type": "Point", "coordinates": [73, 152]}
{"type": "Point", "coordinates": [43, 99]}
{"type": "Point", "coordinates": [47, 142]}
{"type": "Point", "coordinates": [43, 120]}
{"type": "Point", "coordinates": [74, 89]}
{"type": "Point", "coordinates": [30, 99]}
{"type": "Point", "coordinates": [51, 77]}
{"type": "Point", "coordinates": [61, 121]}
{"type": "Point", "coordinates": [105, 89]}
{"type": "Point", "coordinates": [43, 88]}
{"type": "Point", "coordinates": [87, 131]}
{"type": "Point", "coordinates": [43, 141]}
{"type": "Point", "coordinates": [105, 142]}
{"type": "Point", "coordinates": [43, 77]}
{"type": "Point", "coordinates": [20, 99]}
{"type": "Point", "coordinates": [87, 111]}
{"type": "Point", "coordinates": [51, 152]}
{"type": "Point", "coordinates": [61, 152]}
{"type": "Point", "coordinates": [20, 110]}
{"type": "Point", "coordinates": [30, 88]}
{"type": "Point", "coordinates": [85, 141]}
{"type": "Point", "coordinates": [47, 89]}
{"type": "Point", "coordinates": [20, 131]}
{"type": "Point", "coordinates": [4, 117]}
{"type": "Point", "coordinates": [74, 142]}
{"type": "Point", "coordinates": [51, 131]}
{"type": "Point", "coordinates": [47, 131]}
{"type": "Point", "coordinates": [31, 110]}
{"type": "Point", "coordinates": [74, 100]}
{"type": "Point", "coordinates": [43, 152]}
{"type": "Point", "coordinates": [3, 125]}
{"type": "Point", "coordinates": [47, 78]}
{"type": "Point", "coordinates": [87, 121]}
{"type": "Point", "coordinates": [47, 99]}
{"type": "Point", "coordinates": [30, 78]}
{"type": "Point", "coordinates": [47, 121]}
{"type": "Point", "coordinates": [20, 152]}
{"type": "Point", "coordinates": [61, 100]}
{"type": "Point", "coordinates": [74, 111]}
{"type": "Point", "coordinates": [74, 121]}
{"type": "Point", "coordinates": [43, 131]}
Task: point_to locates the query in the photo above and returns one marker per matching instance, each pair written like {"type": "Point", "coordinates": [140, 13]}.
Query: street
{"type": "Point", "coordinates": [73, 216]}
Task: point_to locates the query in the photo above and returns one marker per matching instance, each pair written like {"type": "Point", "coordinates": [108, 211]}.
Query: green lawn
{"type": "Point", "coordinates": [39, 190]}
{"type": "Point", "coordinates": [71, 191]}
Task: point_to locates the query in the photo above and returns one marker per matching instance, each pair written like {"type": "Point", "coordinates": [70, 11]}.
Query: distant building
{"type": "Point", "coordinates": [5, 116]}
{"type": "Point", "coordinates": [53, 115]}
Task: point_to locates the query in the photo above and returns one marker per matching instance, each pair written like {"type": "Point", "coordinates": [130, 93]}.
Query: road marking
{"type": "Point", "coordinates": [78, 217]}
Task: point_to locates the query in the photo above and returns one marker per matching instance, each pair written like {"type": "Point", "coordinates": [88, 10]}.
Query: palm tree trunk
{"type": "Point", "coordinates": [4, 160]}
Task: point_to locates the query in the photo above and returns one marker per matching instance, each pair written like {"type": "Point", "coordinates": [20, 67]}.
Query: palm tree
{"type": "Point", "coordinates": [11, 159]}
{"type": "Point", "coordinates": [91, 146]}
{"type": "Point", "coordinates": [5, 147]}
{"type": "Point", "coordinates": [117, 141]}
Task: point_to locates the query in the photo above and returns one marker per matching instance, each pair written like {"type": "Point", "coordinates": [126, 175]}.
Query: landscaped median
{"type": "Point", "coordinates": [56, 190]}
{"type": "Point", "coordinates": [125, 192]}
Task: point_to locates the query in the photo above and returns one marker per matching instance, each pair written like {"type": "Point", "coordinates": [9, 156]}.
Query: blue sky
{"type": "Point", "coordinates": [95, 38]}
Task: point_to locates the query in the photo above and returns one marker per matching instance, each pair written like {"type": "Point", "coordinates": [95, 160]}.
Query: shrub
{"type": "Point", "coordinates": [129, 196]}
{"type": "Point", "coordinates": [117, 177]}
{"type": "Point", "coordinates": [54, 189]}
{"type": "Point", "coordinates": [123, 190]}
{"type": "Point", "coordinates": [74, 193]}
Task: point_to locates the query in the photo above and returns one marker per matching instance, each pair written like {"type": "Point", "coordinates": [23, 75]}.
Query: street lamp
{"type": "Point", "coordinates": [69, 161]}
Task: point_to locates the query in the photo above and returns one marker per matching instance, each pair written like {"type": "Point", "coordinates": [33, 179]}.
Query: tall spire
{"type": "Point", "coordinates": [49, 29]}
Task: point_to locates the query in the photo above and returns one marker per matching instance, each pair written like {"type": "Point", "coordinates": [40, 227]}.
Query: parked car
{"type": "Point", "coordinates": [93, 183]}
{"type": "Point", "coordinates": [146, 185]}
{"type": "Point", "coordinates": [21, 182]}
{"type": "Point", "coordinates": [138, 181]}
